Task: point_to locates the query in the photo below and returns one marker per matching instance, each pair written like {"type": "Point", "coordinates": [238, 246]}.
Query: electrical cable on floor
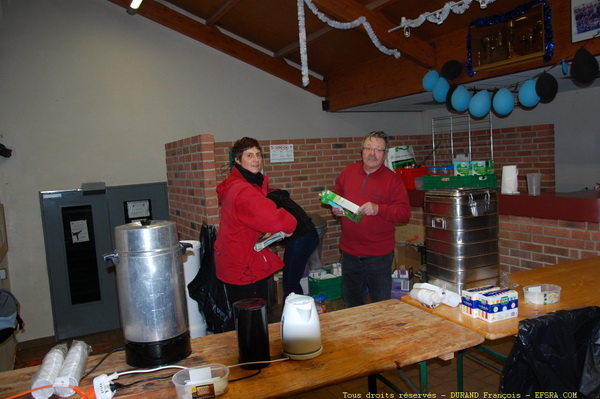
{"type": "Point", "coordinates": [117, 349]}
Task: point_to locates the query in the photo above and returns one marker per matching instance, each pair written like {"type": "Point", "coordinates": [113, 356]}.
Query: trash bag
{"type": "Point", "coordinates": [556, 352]}
{"type": "Point", "coordinates": [207, 289]}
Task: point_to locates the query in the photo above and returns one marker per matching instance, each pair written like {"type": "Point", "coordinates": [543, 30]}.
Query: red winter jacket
{"type": "Point", "coordinates": [246, 213]}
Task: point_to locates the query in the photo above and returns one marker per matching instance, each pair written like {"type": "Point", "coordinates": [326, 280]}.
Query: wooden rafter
{"type": "Point", "coordinates": [349, 10]}
{"type": "Point", "coordinates": [213, 37]}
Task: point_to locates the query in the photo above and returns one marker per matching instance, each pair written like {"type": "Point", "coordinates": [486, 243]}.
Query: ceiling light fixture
{"type": "Point", "coordinates": [133, 7]}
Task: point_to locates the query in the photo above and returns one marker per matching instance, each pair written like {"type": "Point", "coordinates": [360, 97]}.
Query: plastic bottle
{"type": "Point", "coordinates": [321, 303]}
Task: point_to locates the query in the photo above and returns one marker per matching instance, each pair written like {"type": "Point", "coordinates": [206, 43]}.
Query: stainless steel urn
{"type": "Point", "coordinates": [461, 237]}
{"type": "Point", "coordinates": [151, 289]}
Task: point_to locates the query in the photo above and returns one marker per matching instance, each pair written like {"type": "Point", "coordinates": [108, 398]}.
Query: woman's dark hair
{"type": "Point", "coordinates": [242, 145]}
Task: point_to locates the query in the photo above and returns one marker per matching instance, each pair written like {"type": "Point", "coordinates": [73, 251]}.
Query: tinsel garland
{"type": "Point", "coordinates": [439, 16]}
{"type": "Point", "coordinates": [512, 14]}
{"type": "Point", "coordinates": [334, 24]}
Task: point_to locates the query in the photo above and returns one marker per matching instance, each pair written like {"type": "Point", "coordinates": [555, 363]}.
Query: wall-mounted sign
{"type": "Point", "coordinates": [281, 153]}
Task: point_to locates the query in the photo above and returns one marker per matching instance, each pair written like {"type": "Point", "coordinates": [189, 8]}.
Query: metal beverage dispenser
{"type": "Point", "coordinates": [150, 284]}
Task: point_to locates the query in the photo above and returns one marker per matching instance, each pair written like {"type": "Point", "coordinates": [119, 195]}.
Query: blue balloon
{"type": "Point", "coordinates": [460, 99]}
{"type": "Point", "coordinates": [480, 104]}
{"type": "Point", "coordinates": [430, 79]}
{"type": "Point", "coordinates": [528, 96]}
{"type": "Point", "coordinates": [503, 102]}
{"type": "Point", "coordinates": [440, 90]}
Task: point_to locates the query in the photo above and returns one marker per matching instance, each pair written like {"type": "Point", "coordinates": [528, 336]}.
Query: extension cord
{"type": "Point", "coordinates": [102, 386]}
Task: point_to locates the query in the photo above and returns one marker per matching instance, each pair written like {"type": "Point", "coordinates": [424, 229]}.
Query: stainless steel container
{"type": "Point", "coordinates": [461, 236]}
{"type": "Point", "coordinates": [151, 289]}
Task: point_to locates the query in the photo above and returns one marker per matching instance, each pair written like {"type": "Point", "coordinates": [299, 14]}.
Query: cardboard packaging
{"type": "Point", "coordinates": [498, 305]}
{"type": "Point", "coordinates": [470, 299]}
{"type": "Point", "coordinates": [350, 209]}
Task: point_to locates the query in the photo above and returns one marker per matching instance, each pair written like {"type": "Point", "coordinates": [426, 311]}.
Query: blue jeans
{"type": "Point", "coordinates": [297, 251]}
{"type": "Point", "coordinates": [360, 273]}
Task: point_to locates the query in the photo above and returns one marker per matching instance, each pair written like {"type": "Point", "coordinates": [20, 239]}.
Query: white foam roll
{"type": "Point", "coordinates": [191, 266]}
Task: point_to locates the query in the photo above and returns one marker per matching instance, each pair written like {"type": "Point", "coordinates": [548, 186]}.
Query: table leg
{"type": "Point", "coordinates": [372, 381]}
{"type": "Point", "coordinates": [460, 363]}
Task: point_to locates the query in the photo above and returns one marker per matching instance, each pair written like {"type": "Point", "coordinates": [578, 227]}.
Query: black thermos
{"type": "Point", "coordinates": [252, 332]}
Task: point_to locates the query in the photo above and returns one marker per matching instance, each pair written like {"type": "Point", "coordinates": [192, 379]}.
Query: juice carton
{"type": "Point", "coordinates": [462, 168]}
{"type": "Point", "coordinates": [470, 299]}
{"type": "Point", "coordinates": [330, 198]}
{"type": "Point", "coordinates": [482, 167]}
{"type": "Point", "coordinates": [498, 305]}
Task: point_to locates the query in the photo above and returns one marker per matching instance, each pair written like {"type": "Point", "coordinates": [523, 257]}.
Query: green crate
{"type": "Point", "coordinates": [487, 181]}
{"type": "Point", "coordinates": [330, 287]}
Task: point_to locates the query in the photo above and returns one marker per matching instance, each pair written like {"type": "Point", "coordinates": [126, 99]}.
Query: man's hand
{"type": "Point", "coordinates": [369, 209]}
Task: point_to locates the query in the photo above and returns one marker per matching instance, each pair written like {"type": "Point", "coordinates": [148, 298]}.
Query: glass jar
{"type": "Point", "coordinates": [321, 303]}
{"type": "Point", "coordinates": [447, 170]}
{"type": "Point", "coordinates": [434, 170]}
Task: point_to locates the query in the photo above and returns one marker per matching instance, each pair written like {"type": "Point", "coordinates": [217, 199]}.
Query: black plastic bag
{"type": "Point", "coordinates": [207, 289]}
{"type": "Point", "coordinates": [556, 352]}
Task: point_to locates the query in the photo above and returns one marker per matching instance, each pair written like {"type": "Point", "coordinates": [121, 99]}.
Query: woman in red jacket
{"type": "Point", "coordinates": [247, 214]}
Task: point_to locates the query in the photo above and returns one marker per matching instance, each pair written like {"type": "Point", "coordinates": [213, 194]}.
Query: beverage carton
{"type": "Point", "coordinates": [498, 305]}
{"type": "Point", "coordinates": [350, 209]}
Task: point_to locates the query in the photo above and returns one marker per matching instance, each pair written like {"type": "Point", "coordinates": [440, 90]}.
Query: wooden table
{"type": "Point", "coordinates": [579, 280]}
{"type": "Point", "coordinates": [580, 286]}
{"type": "Point", "coordinates": [357, 342]}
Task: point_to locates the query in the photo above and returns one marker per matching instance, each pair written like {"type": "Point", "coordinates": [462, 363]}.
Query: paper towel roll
{"type": "Point", "coordinates": [510, 182]}
{"type": "Point", "coordinates": [191, 266]}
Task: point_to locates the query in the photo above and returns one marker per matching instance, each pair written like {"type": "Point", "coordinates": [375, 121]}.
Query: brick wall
{"type": "Point", "coordinates": [529, 243]}
{"type": "Point", "coordinates": [191, 180]}
{"type": "Point", "coordinates": [197, 164]}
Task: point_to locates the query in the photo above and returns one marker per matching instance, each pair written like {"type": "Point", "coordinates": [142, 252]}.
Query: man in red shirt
{"type": "Point", "coordinates": [368, 246]}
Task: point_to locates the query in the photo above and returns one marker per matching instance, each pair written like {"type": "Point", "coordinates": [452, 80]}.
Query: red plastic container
{"type": "Point", "coordinates": [408, 175]}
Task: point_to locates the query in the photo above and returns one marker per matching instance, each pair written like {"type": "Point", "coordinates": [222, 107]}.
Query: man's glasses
{"type": "Point", "coordinates": [377, 150]}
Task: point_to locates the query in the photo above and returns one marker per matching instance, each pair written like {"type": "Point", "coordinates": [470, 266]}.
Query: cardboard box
{"type": "Point", "coordinates": [407, 256]}
{"type": "Point", "coordinates": [470, 299]}
{"type": "Point", "coordinates": [498, 305]}
{"type": "Point", "coordinates": [402, 282]}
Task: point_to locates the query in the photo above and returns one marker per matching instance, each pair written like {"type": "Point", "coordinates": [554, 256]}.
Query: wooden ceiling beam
{"type": "Point", "coordinates": [349, 10]}
{"type": "Point", "coordinates": [221, 12]}
{"type": "Point", "coordinates": [213, 37]}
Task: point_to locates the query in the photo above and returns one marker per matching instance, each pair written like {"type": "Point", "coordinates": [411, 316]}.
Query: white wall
{"type": "Point", "coordinates": [90, 93]}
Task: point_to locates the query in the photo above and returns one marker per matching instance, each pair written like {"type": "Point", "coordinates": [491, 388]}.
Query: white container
{"type": "Point", "coordinates": [542, 294]}
{"type": "Point", "coordinates": [205, 381]}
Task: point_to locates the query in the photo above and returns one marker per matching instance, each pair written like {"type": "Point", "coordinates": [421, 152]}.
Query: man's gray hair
{"type": "Point", "coordinates": [378, 135]}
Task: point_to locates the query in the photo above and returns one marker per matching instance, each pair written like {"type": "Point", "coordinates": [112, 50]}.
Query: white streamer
{"type": "Point", "coordinates": [337, 25]}
{"type": "Point", "coordinates": [438, 16]}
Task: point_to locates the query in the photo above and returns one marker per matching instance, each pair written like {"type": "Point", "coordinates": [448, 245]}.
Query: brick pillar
{"type": "Point", "coordinates": [192, 180]}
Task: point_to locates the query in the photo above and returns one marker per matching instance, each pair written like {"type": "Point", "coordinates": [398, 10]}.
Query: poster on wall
{"type": "Point", "coordinates": [281, 153]}
{"type": "Point", "coordinates": [585, 19]}
{"type": "Point", "coordinates": [79, 231]}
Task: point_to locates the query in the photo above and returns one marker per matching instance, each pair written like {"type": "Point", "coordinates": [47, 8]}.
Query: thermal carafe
{"type": "Point", "coordinates": [252, 332]}
{"type": "Point", "coordinates": [151, 290]}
